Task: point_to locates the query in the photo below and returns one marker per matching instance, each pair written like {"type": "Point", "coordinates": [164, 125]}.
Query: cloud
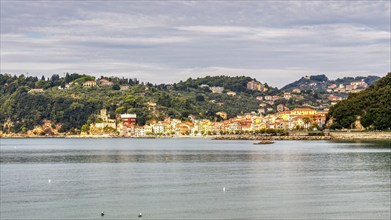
{"type": "Point", "coordinates": [276, 42]}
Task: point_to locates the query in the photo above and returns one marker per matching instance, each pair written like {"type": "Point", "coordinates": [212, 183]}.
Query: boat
{"type": "Point", "coordinates": [265, 142]}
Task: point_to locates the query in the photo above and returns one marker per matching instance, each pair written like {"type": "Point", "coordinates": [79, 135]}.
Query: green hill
{"type": "Point", "coordinates": [372, 107]}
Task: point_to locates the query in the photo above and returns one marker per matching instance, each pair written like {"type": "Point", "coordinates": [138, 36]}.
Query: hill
{"type": "Point", "coordinates": [68, 103]}
{"type": "Point", "coordinates": [320, 83]}
{"type": "Point", "coordinates": [371, 107]}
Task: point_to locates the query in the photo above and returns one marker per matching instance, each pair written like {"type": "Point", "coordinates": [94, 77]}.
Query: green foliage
{"type": "Point", "coordinates": [373, 105]}
{"type": "Point", "coordinates": [115, 87]}
{"type": "Point", "coordinates": [77, 106]}
{"type": "Point", "coordinates": [237, 83]}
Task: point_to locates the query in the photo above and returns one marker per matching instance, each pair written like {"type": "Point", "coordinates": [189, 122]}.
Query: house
{"type": "Point", "coordinates": [105, 82]}
{"type": "Point", "coordinates": [349, 87]}
{"type": "Point", "coordinates": [158, 128]}
{"type": "Point", "coordinates": [35, 91]}
{"type": "Point", "coordinates": [223, 115]}
{"type": "Point", "coordinates": [128, 120]}
{"type": "Point", "coordinates": [296, 90]}
{"type": "Point", "coordinates": [256, 86]}
{"type": "Point", "coordinates": [230, 93]}
{"type": "Point", "coordinates": [361, 83]}
{"type": "Point", "coordinates": [287, 95]}
{"type": "Point", "coordinates": [253, 85]}
{"type": "Point", "coordinates": [217, 89]}
{"type": "Point", "coordinates": [276, 97]}
{"type": "Point", "coordinates": [151, 106]}
{"type": "Point", "coordinates": [268, 97]}
{"type": "Point", "coordinates": [303, 111]}
{"type": "Point", "coordinates": [89, 83]}
{"type": "Point", "coordinates": [260, 98]}
{"type": "Point", "coordinates": [270, 102]}
{"type": "Point", "coordinates": [261, 110]}
{"type": "Point", "coordinates": [280, 107]}
{"type": "Point", "coordinates": [263, 104]}
{"type": "Point", "coordinates": [124, 87]}
{"type": "Point", "coordinates": [334, 98]}
{"type": "Point", "coordinates": [183, 128]}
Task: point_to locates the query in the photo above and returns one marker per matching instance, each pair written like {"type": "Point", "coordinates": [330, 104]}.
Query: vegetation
{"type": "Point", "coordinates": [71, 107]}
{"type": "Point", "coordinates": [372, 107]}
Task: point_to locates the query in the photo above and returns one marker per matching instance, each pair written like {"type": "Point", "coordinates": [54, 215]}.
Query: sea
{"type": "Point", "coordinates": [193, 178]}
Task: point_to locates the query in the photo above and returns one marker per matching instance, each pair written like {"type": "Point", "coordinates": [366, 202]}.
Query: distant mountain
{"type": "Point", "coordinates": [371, 107]}
{"type": "Point", "coordinates": [319, 83]}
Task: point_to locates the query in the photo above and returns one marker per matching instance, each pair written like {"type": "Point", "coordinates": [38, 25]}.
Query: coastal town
{"type": "Point", "coordinates": [269, 115]}
{"type": "Point", "coordinates": [219, 105]}
{"type": "Point", "coordinates": [296, 119]}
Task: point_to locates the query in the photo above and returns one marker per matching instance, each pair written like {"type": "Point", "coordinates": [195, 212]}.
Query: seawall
{"type": "Point", "coordinates": [360, 135]}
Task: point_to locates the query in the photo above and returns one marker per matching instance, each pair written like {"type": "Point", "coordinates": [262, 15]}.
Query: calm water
{"type": "Point", "coordinates": [184, 179]}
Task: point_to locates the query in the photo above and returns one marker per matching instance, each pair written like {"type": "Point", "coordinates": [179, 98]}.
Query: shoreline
{"type": "Point", "coordinates": [327, 136]}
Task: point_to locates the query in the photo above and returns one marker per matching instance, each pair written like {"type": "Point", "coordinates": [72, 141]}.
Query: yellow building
{"type": "Point", "coordinates": [303, 111]}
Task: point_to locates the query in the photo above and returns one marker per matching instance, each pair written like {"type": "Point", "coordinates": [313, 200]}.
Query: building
{"type": "Point", "coordinates": [268, 97]}
{"type": "Point", "coordinates": [128, 120]}
{"type": "Point", "coordinates": [334, 98]}
{"type": "Point", "coordinates": [89, 83]}
{"type": "Point", "coordinates": [151, 106]}
{"type": "Point", "coordinates": [349, 88]}
{"type": "Point", "coordinates": [36, 91]}
{"type": "Point", "coordinates": [276, 97]}
{"type": "Point", "coordinates": [253, 85]}
{"type": "Point", "coordinates": [231, 93]}
{"type": "Point", "coordinates": [287, 95]}
{"type": "Point", "coordinates": [223, 115]}
{"type": "Point", "coordinates": [105, 82]}
{"type": "Point", "coordinates": [256, 86]}
{"type": "Point", "coordinates": [303, 111]}
{"type": "Point", "coordinates": [296, 90]}
{"type": "Point", "coordinates": [280, 107]}
{"type": "Point", "coordinates": [124, 87]}
{"type": "Point", "coordinates": [361, 83]}
{"type": "Point", "coordinates": [217, 89]}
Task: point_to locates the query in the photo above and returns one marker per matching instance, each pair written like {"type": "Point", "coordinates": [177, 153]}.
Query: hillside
{"type": "Point", "coordinates": [320, 83]}
{"type": "Point", "coordinates": [372, 107]}
{"type": "Point", "coordinates": [68, 103]}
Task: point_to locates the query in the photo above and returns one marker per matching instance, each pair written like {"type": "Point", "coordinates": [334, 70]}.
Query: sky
{"type": "Point", "coordinates": [276, 42]}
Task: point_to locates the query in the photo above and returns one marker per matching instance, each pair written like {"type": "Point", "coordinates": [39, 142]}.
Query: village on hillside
{"type": "Point", "coordinates": [296, 119]}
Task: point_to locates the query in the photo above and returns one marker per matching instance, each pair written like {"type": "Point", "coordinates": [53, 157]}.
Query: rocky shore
{"type": "Point", "coordinates": [360, 135]}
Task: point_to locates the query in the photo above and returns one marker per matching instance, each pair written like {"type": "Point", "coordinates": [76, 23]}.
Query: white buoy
{"type": "Point", "coordinates": [223, 189]}
{"type": "Point", "coordinates": [49, 181]}
{"type": "Point", "coordinates": [140, 215]}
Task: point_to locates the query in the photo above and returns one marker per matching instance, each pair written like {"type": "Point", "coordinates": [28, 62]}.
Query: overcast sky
{"type": "Point", "coordinates": [166, 41]}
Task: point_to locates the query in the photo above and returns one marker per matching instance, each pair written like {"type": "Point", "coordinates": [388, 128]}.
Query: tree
{"type": "Point", "coordinates": [115, 87]}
